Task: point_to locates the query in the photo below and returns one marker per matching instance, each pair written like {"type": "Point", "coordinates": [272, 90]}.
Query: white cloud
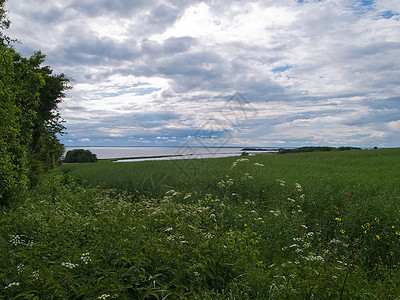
{"type": "Point", "coordinates": [316, 72]}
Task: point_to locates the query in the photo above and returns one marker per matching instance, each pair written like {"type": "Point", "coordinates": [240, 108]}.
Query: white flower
{"type": "Point", "coordinates": [12, 284]}
{"type": "Point", "coordinates": [258, 164]}
{"type": "Point", "coordinates": [208, 235]}
{"type": "Point", "coordinates": [35, 274]}
{"type": "Point", "coordinates": [103, 297]}
{"type": "Point", "coordinates": [168, 229]}
{"type": "Point", "coordinates": [16, 240]}
{"type": "Point", "coordinates": [20, 267]}
{"type": "Point", "coordinates": [314, 258]}
{"type": "Point", "coordinates": [298, 187]}
{"type": "Point", "coordinates": [69, 265]}
{"type": "Point", "coordinates": [85, 257]}
{"type": "Point", "coordinates": [187, 196]}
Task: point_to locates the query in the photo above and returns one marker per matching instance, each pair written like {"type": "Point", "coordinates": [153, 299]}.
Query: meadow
{"type": "Point", "coordinates": [321, 225]}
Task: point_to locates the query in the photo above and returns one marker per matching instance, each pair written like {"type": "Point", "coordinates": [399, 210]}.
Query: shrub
{"type": "Point", "coordinates": [80, 156]}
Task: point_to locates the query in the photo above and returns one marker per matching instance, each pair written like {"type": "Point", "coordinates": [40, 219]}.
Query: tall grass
{"type": "Point", "coordinates": [298, 226]}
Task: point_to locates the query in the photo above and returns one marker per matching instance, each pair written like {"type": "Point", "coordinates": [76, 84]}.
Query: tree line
{"type": "Point", "coordinates": [29, 118]}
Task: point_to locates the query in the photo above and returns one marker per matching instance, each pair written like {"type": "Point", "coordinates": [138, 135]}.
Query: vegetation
{"type": "Point", "coordinates": [80, 156]}
{"type": "Point", "coordinates": [307, 225]}
{"type": "Point", "coordinates": [29, 121]}
{"type": "Point", "coordinates": [314, 149]}
{"type": "Point", "coordinates": [298, 226]}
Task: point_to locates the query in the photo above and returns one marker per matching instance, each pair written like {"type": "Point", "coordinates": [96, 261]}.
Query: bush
{"type": "Point", "coordinates": [80, 156]}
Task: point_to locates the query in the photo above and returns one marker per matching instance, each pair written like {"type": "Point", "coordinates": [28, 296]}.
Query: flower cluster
{"type": "Point", "coordinates": [12, 284]}
{"type": "Point", "coordinates": [17, 240]}
{"type": "Point", "coordinates": [85, 257]}
{"type": "Point", "coordinates": [235, 163]}
{"type": "Point", "coordinates": [69, 265]}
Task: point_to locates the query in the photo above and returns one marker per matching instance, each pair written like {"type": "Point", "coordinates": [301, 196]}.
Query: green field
{"type": "Point", "coordinates": [321, 225]}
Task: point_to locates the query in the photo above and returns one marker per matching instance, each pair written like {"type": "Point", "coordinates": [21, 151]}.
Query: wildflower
{"type": "Point", "coordinates": [347, 194]}
{"type": "Point", "coordinates": [170, 192]}
{"type": "Point", "coordinates": [397, 232]}
{"type": "Point", "coordinates": [187, 196]}
{"type": "Point", "coordinates": [291, 200]}
{"type": "Point", "coordinates": [342, 231]}
{"type": "Point", "coordinates": [85, 257]}
{"type": "Point", "coordinates": [245, 225]}
{"type": "Point", "coordinates": [103, 297]}
{"type": "Point", "coordinates": [12, 284]}
{"type": "Point", "coordinates": [168, 229]}
{"type": "Point", "coordinates": [314, 258]}
{"type": "Point", "coordinates": [338, 219]}
{"type": "Point", "coordinates": [298, 187]}
{"type": "Point", "coordinates": [208, 235]}
{"type": "Point", "coordinates": [378, 237]}
{"type": "Point", "coordinates": [69, 265]}
{"type": "Point", "coordinates": [16, 240]}
{"type": "Point", "coordinates": [248, 175]}
{"type": "Point", "coordinates": [258, 164]}
{"type": "Point", "coordinates": [273, 212]}
{"type": "Point", "coordinates": [184, 242]}
{"type": "Point", "coordinates": [212, 216]}
{"type": "Point", "coordinates": [197, 274]}
{"type": "Point", "coordinates": [20, 267]}
{"type": "Point", "coordinates": [35, 274]}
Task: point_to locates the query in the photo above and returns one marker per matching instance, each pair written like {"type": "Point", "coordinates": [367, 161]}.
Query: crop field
{"type": "Point", "coordinates": [321, 225]}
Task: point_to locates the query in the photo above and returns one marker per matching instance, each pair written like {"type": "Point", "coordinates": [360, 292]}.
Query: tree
{"type": "Point", "coordinates": [29, 120]}
{"type": "Point", "coordinates": [80, 156]}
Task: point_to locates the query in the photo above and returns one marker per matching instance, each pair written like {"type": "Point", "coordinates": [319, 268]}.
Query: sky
{"type": "Point", "coordinates": [219, 73]}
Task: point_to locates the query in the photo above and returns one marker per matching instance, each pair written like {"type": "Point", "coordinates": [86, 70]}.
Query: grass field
{"type": "Point", "coordinates": [322, 225]}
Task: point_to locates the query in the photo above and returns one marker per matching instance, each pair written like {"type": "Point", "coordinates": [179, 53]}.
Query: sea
{"type": "Point", "coordinates": [127, 154]}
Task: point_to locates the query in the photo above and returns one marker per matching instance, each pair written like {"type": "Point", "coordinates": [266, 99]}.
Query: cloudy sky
{"type": "Point", "coordinates": [233, 73]}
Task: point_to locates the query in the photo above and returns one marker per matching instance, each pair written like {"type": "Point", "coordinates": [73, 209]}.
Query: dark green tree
{"type": "Point", "coordinates": [29, 120]}
{"type": "Point", "coordinates": [80, 156]}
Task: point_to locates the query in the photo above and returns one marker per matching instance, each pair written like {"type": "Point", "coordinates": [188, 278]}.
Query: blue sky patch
{"type": "Point", "coordinates": [281, 69]}
{"type": "Point", "coordinates": [388, 14]}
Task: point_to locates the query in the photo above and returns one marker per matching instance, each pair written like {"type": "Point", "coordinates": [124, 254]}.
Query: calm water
{"type": "Point", "coordinates": [178, 152]}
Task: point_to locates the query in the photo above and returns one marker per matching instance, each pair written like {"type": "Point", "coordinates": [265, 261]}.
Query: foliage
{"type": "Point", "coordinates": [252, 236]}
{"type": "Point", "coordinates": [80, 156]}
{"type": "Point", "coordinates": [4, 22]}
{"type": "Point", "coordinates": [29, 121]}
{"type": "Point", "coordinates": [314, 149]}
